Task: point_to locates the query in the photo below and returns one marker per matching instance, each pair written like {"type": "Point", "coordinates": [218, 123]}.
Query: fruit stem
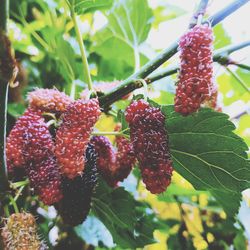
{"type": "Point", "coordinates": [13, 203]}
{"type": "Point", "coordinates": [131, 82]}
{"type": "Point", "coordinates": [4, 87]}
{"type": "Point", "coordinates": [86, 70]}
{"type": "Point", "coordinates": [199, 13]}
{"type": "Point", "coordinates": [18, 184]}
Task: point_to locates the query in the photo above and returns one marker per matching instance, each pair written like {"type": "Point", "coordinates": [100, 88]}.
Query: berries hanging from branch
{"type": "Point", "coordinates": [73, 135]}
{"type": "Point", "coordinates": [150, 143]}
{"type": "Point", "coordinates": [195, 84]}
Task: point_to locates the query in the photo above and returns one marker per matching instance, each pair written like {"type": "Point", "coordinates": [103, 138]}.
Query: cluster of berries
{"type": "Point", "coordinates": [195, 86]}
{"type": "Point", "coordinates": [56, 164]}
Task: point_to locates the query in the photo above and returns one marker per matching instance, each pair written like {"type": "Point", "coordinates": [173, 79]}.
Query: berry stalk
{"type": "Point", "coordinates": [86, 71]}
{"type": "Point", "coordinates": [131, 83]}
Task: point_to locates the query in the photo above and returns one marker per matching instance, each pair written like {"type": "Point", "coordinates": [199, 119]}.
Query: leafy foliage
{"type": "Point", "coordinates": [124, 218]}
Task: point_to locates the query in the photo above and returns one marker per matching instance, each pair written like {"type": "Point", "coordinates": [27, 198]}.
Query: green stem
{"type": "Point", "coordinates": [238, 79]}
{"type": "Point", "coordinates": [86, 70]}
{"type": "Point", "coordinates": [130, 83]}
{"type": "Point", "coordinates": [201, 9]}
{"type": "Point", "coordinates": [13, 203]}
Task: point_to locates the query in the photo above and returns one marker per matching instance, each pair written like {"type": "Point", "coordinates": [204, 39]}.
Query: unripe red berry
{"type": "Point", "coordinates": [15, 140]}
{"type": "Point", "coordinates": [106, 158]}
{"type": "Point", "coordinates": [73, 135]}
{"type": "Point", "coordinates": [195, 84]}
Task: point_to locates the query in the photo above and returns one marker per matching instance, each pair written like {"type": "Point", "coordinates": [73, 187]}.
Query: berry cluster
{"type": "Point", "coordinates": [150, 144]}
{"type": "Point", "coordinates": [30, 145]}
{"type": "Point", "coordinates": [47, 160]}
{"type": "Point", "coordinates": [20, 232]}
{"type": "Point", "coordinates": [106, 158]}
{"type": "Point", "coordinates": [77, 193]}
{"type": "Point", "coordinates": [73, 135]}
{"type": "Point", "coordinates": [196, 69]}
{"type": "Point", "coordinates": [114, 165]}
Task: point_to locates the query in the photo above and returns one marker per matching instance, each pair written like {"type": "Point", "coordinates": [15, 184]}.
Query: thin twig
{"type": "Point", "coordinates": [238, 79]}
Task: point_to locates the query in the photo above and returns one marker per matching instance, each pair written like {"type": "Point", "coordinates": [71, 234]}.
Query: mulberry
{"type": "Point", "coordinates": [73, 135]}
{"type": "Point", "coordinates": [125, 158]}
{"type": "Point", "coordinates": [196, 70]}
{"type": "Point", "coordinates": [106, 158]}
{"type": "Point", "coordinates": [41, 167]}
{"type": "Point", "coordinates": [14, 147]}
{"type": "Point", "coordinates": [45, 177]}
{"type": "Point", "coordinates": [150, 144]}
{"type": "Point", "coordinates": [77, 192]}
{"type": "Point", "coordinates": [49, 100]}
{"type": "Point", "coordinates": [20, 233]}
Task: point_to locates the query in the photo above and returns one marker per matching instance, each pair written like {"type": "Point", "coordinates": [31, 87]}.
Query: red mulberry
{"type": "Point", "coordinates": [125, 158]}
{"type": "Point", "coordinates": [14, 147]}
{"type": "Point", "coordinates": [20, 233]}
{"type": "Point", "coordinates": [49, 100]}
{"type": "Point", "coordinates": [196, 70]}
{"type": "Point", "coordinates": [150, 144]}
{"type": "Point", "coordinates": [73, 135]}
{"type": "Point", "coordinates": [77, 192]}
{"type": "Point", "coordinates": [106, 158]}
{"type": "Point", "coordinates": [41, 167]}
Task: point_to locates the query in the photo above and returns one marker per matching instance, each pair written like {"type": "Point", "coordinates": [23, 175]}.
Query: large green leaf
{"type": "Point", "coordinates": [125, 218]}
{"type": "Point", "coordinates": [206, 152]}
{"type": "Point", "coordinates": [83, 6]}
{"type": "Point", "coordinates": [128, 25]}
{"type": "Point", "coordinates": [230, 202]}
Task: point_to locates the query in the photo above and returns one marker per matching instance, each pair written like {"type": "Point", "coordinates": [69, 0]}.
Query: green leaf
{"type": "Point", "coordinates": [206, 152]}
{"type": "Point", "coordinates": [240, 242]}
{"type": "Point", "coordinates": [221, 37]}
{"type": "Point", "coordinates": [83, 6]}
{"type": "Point", "coordinates": [128, 26]}
{"type": "Point", "coordinates": [230, 201]}
{"type": "Point", "coordinates": [125, 218]}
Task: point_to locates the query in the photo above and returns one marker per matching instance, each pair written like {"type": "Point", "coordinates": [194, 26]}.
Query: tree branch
{"type": "Point", "coordinates": [220, 56]}
{"type": "Point", "coordinates": [130, 83]}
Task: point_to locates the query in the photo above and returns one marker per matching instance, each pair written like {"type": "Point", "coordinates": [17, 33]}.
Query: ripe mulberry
{"type": "Point", "coordinates": [106, 158]}
{"type": "Point", "coordinates": [77, 192]}
{"type": "Point", "coordinates": [14, 147]}
{"type": "Point", "coordinates": [196, 70]}
{"type": "Point", "coordinates": [20, 233]}
{"type": "Point", "coordinates": [150, 144]}
{"type": "Point", "coordinates": [73, 135]}
{"type": "Point", "coordinates": [49, 100]}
